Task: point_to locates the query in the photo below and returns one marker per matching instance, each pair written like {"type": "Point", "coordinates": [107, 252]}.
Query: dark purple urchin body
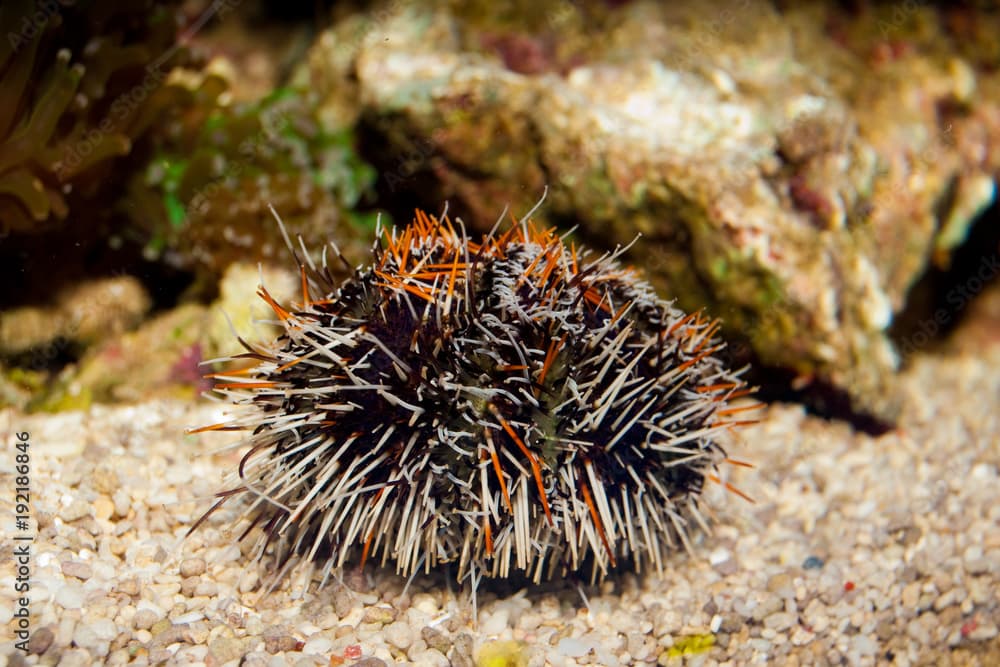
{"type": "Point", "coordinates": [504, 405]}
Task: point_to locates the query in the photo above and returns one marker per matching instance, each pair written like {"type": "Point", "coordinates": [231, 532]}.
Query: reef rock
{"type": "Point", "coordinates": [791, 171]}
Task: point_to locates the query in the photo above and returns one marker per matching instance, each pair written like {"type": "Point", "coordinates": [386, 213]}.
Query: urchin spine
{"type": "Point", "coordinates": [506, 405]}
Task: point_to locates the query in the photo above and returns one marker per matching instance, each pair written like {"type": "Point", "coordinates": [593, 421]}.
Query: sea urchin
{"type": "Point", "coordinates": [508, 405]}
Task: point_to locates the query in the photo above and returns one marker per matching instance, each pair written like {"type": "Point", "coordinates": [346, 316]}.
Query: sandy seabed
{"type": "Point", "coordinates": [857, 550]}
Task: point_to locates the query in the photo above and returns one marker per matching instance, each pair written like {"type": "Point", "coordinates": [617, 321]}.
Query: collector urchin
{"type": "Point", "coordinates": [510, 405]}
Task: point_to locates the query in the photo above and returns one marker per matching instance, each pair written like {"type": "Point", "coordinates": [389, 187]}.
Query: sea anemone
{"type": "Point", "coordinates": [78, 81]}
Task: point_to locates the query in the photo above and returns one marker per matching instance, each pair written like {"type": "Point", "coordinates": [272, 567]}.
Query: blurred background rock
{"type": "Point", "coordinates": [820, 175]}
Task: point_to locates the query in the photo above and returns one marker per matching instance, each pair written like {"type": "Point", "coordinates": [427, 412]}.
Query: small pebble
{"type": "Point", "coordinates": [103, 508]}
{"type": "Point", "coordinates": [161, 626]}
{"type": "Point", "coordinates": [73, 568]}
{"type": "Point", "coordinates": [69, 596]}
{"type": "Point", "coordinates": [165, 634]}
{"type": "Point", "coordinates": [864, 645]}
{"type": "Point", "coordinates": [257, 659]}
{"type": "Point", "coordinates": [765, 606]}
{"type": "Point", "coordinates": [812, 563]}
{"type": "Point", "coordinates": [911, 595]}
{"type": "Point", "coordinates": [435, 639]}
{"type": "Point", "coordinates": [75, 511]}
{"type": "Point", "coordinates": [944, 600]}
{"type": "Point", "coordinates": [319, 645]}
{"type": "Point", "coordinates": [379, 614]}
{"type": "Point", "coordinates": [731, 623]}
{"type": "Point", "coordinates": [188, 586]}
{"type": "Point", "coordinates": [780, 621]}
{"type": "Point", "coordinates": [781, 585]}
{"type": "Point", "coordinates": [192, 567]}
{"type": "Point", "coordinates": [399, 634]}
{"type": "Point", "coordinates": [40, 641]}
{"type": "Point", "coordinates": [727, 567]}
{"type": "Point", "coordinates": [496, 623]}
{"type": "Point", "coordinates": [104, 628]}
{"type": "Point", "coordinates": [572, 647]}
{"type": "Point", "coordinates": [343, 602]}
{"type": "Point", "coordinates": [129, 586]}
{"type": "Point", "coordinates": [122, 501]}
{"type": "Point", "coordinates": [144, 619]}
{"type": "Point", "coordinates": [76, 657]}
{"type": "Point", "coordinates": [278, 639]}
{"type": "Point", "coordinates": [105, 479]}
{"type": "Point", "coordinates": [429, 658]}
{"type": "Point", "coordinates": [159, 655]}
{"type": "Point", "coordinates": [187, 619]}
{"type": "Point", "coordinates": [224, 649]}
{"type": "Point", "coordinates": [86, 637]}
{"type": "Point", "coordinates": [206, 589]}
{"type": "Point", "coordinates": [983, 631]}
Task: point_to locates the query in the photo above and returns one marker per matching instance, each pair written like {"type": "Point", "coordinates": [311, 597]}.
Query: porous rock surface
{"type": "Point", "coordinates": [794, 171]}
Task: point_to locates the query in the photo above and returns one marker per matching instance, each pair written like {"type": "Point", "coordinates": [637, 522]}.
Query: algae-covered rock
{"type": "Point", "coordinates": [163, 355]}
{"type": "Point", "coordinates": [217, 169]}
{"type": "Point", "coordinates": [19, 385]}
{"type": "Point", "coordinates": [78, 316]}
{"type": "Point", "coordinates": [240, 311]}
{"type": "Point", "coordinates": [792, 172]}
{"type": "Point", "coordinates": [160, 358]}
